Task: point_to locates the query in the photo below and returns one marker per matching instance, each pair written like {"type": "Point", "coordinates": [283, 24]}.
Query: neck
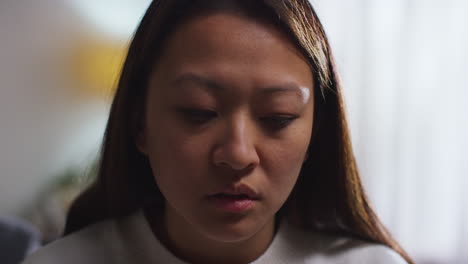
{"type": "Point", "coordinates": [192, 246]}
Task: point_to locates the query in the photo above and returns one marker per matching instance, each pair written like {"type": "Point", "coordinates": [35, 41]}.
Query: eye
{"type": "Point", "coordinates": [197, 116]}
{"type": "Point", "coordinates": [277, 122]}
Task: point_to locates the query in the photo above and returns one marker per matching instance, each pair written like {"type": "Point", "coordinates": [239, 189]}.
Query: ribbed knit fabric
{"type": "Point", "coordinates": [130, 240]}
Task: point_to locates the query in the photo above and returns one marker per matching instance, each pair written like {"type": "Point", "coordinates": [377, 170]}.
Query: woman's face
{"type": "Point", "coordinates": [229, 116]}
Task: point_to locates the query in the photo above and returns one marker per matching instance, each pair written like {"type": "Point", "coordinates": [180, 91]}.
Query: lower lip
{"type": "Point", "coordinates": [232, 204]}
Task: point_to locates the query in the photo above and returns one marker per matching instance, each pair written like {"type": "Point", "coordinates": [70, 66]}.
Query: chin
{"type": "Point", "coordinates": [232, 232]}
{"type": "Point", "coordinates": [229, 236]}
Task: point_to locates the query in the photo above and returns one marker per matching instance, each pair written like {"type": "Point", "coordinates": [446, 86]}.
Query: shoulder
{"type": "Point", "coordinates": [314, 247]}
{"type": "Point", "coordinates": [357, 251]}
{"type": "Point", "coordinates": [85, 246]}
{"type": "Point", "coordinates": [122, 240]}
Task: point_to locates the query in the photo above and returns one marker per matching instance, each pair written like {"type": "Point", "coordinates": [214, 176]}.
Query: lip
{"type": "Point", "coordinates": [238, 189]}
{"type": "Point", "coordinates": [236, 198]}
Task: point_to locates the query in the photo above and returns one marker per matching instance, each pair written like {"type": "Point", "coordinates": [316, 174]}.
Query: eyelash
{"type": "Point", "coordinates": [199, 117]}
{"type": "Point", "coordinates": [277, 122]}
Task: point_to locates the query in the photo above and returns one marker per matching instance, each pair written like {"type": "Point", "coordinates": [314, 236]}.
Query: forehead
{"type": "Point", "coordinates": [234, 50]}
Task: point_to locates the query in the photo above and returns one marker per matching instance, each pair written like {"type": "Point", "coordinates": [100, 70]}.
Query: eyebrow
{"type": "Point", "coordinates": [205, 83]}
{"type": "Point", "coordinates": [213, 86]}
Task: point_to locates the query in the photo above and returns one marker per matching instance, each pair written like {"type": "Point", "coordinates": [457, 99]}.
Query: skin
{"type": "Point", "coordinates": [247, 78]}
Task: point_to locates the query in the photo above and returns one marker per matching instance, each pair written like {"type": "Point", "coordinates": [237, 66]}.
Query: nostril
{"type": "Point", "coordinates": [237, 170]}
{"type": "Point", "coordinates": [235, 160]}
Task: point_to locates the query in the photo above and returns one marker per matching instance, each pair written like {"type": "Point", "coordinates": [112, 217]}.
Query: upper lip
{"type": "Point", "coordinates": [239, 189]}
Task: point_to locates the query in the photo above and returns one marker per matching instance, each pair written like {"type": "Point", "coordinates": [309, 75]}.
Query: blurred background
{"type": "Point", "coordinates": [404, 65]}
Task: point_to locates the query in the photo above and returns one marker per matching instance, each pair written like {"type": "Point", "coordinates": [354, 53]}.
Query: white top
{"type": "Point", "coordinates": [130, 240]}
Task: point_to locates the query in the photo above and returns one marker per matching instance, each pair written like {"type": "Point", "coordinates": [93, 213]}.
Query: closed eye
{"type": "Point", "coordinates": [277, 122]}
{"type": "Point", "coordinates": [201, 116]}
{"type": "Point", "coordinates": [197, 116]}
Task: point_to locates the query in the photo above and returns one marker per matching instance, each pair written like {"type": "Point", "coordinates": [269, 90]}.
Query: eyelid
{"type": "Point", "coordinates": [199, 116]}
{"type": "Point", "coordinates": [197, 111]}
{"type": "Point", "coordinates": [279, 121]}
{"type": "Point", "coordinates": [281, 115]}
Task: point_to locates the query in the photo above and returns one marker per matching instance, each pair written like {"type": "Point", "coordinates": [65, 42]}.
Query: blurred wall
{"type": "Point", "coordinates": [46, 123]}
{"type": "Point", "coordinates": [403, 65]}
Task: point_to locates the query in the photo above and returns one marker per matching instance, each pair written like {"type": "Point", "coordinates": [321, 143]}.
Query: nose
{"type": "Point", "coordinates": [236, 148]}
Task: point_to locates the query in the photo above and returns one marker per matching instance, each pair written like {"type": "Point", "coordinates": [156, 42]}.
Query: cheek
{"type": "Point", "coordinates": [282, 164]}
{"type": "Point", "coordinates": [178, 162]}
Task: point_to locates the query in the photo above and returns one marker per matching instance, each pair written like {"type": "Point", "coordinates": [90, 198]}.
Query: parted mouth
{"type": "Point", "coordinates": [239, 191]}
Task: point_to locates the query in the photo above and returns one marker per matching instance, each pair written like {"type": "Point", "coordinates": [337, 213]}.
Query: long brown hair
{"type": "Point", "coordinates": [328, 195]}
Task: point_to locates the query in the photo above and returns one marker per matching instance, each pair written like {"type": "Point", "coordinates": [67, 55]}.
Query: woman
{"type": "Point", "coordinates": [226, 143]}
